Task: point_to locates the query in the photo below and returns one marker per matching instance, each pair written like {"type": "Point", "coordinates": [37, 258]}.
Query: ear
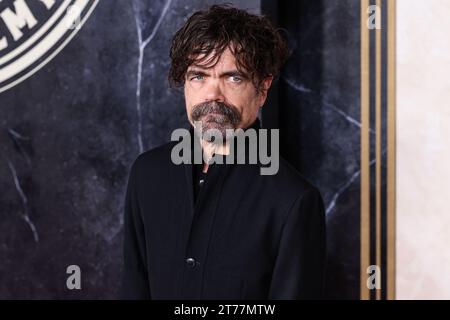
{"type": "Point", "coordinates": [265, 86]}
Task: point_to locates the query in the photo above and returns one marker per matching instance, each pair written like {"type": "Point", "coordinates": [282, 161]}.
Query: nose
{"type": "Point", "coordinates": [214, 91]}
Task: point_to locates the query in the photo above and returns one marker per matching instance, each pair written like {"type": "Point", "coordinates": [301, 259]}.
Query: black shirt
{"type": "Point", "coordinates": [198, 178]}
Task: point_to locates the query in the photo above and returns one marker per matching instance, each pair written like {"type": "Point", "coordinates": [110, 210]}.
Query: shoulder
{"type": "Point", "coordinates": [288, 183]}
{"type": "Point", "coordinates": [157, 154]}
{"type": "Point", "coordinates": [152, 163]}
{"type": "Point", "coordinates": [301, 196]}
{"type": "Point", "coordinates": [289, 176]}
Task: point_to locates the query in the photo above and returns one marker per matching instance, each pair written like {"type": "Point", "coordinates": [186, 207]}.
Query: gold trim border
{"type": "Point", "coordinates": [378, 158]}
{"type": "Point", "coordinates": [365, 153]}
{"type": "Point", "coordinates": [391, 142]}
{"type": "Point", "coordinates": [365, 226]}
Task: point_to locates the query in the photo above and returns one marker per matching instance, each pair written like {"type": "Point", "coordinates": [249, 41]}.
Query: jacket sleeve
{"type": "Point", "coordinates": [300, 265]}
{"type": "Point", "coordinates": [135, 283]}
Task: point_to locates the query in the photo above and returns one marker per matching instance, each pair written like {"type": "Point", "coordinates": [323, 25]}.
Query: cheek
{"type": "Point", "coordinates": [248, 110]}
{"type": "Point", "coordinates": [188, 99]}
{"type": "Point", "coordinates": [192, 97]}
{"type": "Point", "coordinates": [245, 99]}
{"type": "Point", "coordinates": [188, 107]}
{"type": "Point", "coordinates": [252, 103]}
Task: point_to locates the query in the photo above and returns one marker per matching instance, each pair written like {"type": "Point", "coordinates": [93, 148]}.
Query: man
{"type": "Point", "coordinates": [222, 231]}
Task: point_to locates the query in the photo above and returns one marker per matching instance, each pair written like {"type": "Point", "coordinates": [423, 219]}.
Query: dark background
{"type": "Point", "coordinates": [69, 134]}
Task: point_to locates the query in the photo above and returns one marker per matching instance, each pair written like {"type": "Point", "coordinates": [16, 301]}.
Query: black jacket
{"type": "Point", "coordinates": [248, 236]}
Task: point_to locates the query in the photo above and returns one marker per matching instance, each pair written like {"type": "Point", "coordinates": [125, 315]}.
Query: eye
{"type": "Point", "coordinates": [235, 79]}
{"type": "Point", "coordinates": [198, 77]}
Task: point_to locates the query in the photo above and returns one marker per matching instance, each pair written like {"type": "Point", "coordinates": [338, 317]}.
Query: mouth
{"type": "Point", "coordinates": [213, 115]}
{"type": "Point", "coordinates": [216, 119]}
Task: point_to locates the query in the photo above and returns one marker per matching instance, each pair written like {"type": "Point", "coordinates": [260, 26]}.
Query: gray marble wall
{"type": "Point", "coordinates": [69, 134]}
{"type": "Point", "coordinates": [67, 138]}
{"type": "Point", "coordinates": [318, 113]}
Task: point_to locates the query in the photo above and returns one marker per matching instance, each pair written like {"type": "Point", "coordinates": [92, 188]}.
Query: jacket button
{"type": "Point", "coordinates": [190, 262]}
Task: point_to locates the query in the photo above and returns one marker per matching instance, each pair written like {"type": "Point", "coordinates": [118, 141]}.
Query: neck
{"type": "Point", "coordinates": [209, 149]}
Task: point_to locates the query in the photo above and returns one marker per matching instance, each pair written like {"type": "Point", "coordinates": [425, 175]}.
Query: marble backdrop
{"type": "Point", "coordinates": [67, 138]}
{"type": "Point", "coordinates": [319, 116]}
{"type": "Point", "coordinates": [69, 134]}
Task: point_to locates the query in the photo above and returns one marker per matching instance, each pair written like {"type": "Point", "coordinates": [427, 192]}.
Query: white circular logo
{"type": "Point", "coordinates": [32, 32]}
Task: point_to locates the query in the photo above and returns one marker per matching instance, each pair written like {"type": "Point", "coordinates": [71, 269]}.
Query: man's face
{"type": "Point", "coordinates": [221, 97]}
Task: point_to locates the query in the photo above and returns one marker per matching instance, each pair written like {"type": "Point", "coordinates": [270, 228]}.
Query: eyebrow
{"type": "Point", "coordinates": [230, 73]}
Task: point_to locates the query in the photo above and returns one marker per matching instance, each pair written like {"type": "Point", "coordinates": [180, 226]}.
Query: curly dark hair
{"type": "Point", "coordinates": [258, 47]}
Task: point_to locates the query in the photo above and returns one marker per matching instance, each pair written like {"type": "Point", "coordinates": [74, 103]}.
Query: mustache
{"type": "Point", "coordinates": [205, 108]}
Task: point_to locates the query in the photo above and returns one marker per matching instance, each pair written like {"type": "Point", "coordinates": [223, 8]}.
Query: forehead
{"type": "Point", "coordinates": [211, 61]}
